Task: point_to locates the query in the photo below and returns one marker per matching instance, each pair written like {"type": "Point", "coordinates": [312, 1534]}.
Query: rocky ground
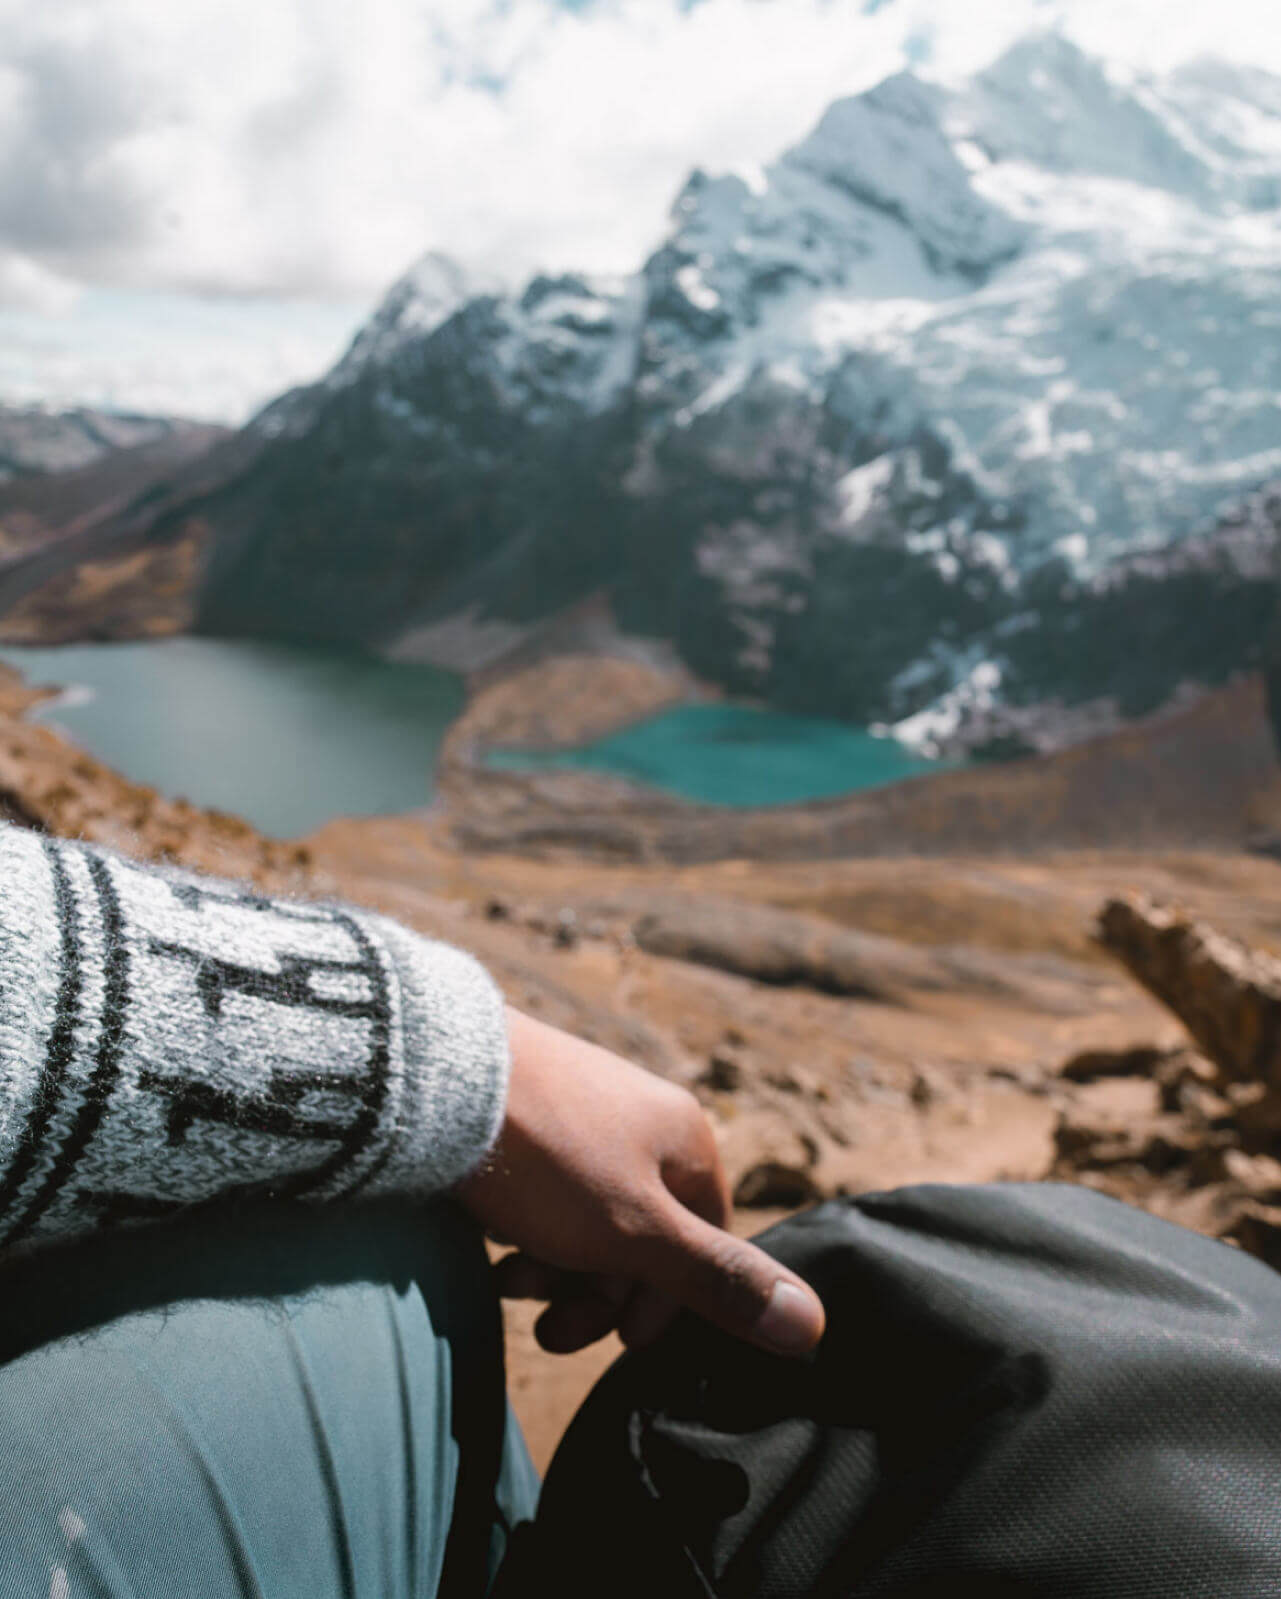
{"type": "Point", "coordinates": [849, 1023]}
{"type": "Point", "coordinates": [856, 1024]}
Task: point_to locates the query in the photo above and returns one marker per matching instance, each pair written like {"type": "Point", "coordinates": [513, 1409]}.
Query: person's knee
{"type": "Point", "coordinates": [294, 1375]}
{"type": "Point", "coordinates": [262, 1252]}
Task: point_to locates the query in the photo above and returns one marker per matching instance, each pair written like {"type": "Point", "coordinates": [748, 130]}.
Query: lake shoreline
{"type": "Point", "coordinates": [292, 737]}
{"type": "Point", "coordinates": [1202, 775]}
{"type": "Point", "coordinates": [287, 737]}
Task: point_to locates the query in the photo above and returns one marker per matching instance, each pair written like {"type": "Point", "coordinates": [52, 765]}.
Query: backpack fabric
{"type": "Point", "coordinates": [1024, 1389]}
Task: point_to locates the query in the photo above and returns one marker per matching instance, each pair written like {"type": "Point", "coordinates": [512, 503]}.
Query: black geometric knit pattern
{"type": "Point", "coordinates": [167, 1040]}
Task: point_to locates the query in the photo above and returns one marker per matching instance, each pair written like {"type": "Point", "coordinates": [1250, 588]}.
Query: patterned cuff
{"type": "Point", "coordinates": [456, 1063]}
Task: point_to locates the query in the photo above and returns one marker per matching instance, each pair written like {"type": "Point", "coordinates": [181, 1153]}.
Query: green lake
{"type": "Point", "coordinates": [736, 755]}
{"type": "Point", "coordinates": [289, 737]}
{"type": "Point", "coordinates": [285, 737]}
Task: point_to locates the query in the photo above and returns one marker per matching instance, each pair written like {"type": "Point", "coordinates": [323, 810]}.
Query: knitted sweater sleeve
{"type": "Point", "coordinates": [167, 1039]}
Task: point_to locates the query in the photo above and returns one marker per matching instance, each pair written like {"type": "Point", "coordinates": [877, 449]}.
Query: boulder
{"type": "Point", "coordinates": [776, 946]}
{"type": "Point", "coordinates": [1192, 1133]}
{"type": "Point", "coordinates": [1094, 1065]}
{"type": "Point", "coordinates": [772, 1185]}
{"type": "Point", "coordinates": [1226, 995]}
{"type": "Point", "coordinates": [1257, 1229]}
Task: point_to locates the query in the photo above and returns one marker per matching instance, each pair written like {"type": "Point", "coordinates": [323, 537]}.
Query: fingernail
{"type": "Point", "coordinates": [792, 1322]}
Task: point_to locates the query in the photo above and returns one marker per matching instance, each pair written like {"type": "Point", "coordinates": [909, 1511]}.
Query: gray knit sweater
{"type": "Point", "coordinates": [167, 1039]}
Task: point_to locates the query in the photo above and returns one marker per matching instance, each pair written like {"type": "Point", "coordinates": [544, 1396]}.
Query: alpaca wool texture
{"type": "Point", "coordinates": [168, 1040]}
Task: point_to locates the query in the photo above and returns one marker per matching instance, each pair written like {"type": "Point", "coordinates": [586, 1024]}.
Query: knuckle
{"type": "Point", "coordinates": [679, 1104]}
{"type": "Point", "coordinates": [690, 1123]}
{"type": "Point", "coordinates": [707, 1149]}
{"type": "Point", "coordinates": [636, 1223]}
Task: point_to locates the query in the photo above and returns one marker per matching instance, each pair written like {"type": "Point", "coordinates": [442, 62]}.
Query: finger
{"type": "Point", "coordinates": [521, 1276]}
{"type": "Point", "coordinates": [614, 1291]}
{"type": "Point", "coordinates": [646, 1316]}
{"type": "Point", "coordinates": [571, 1324]}
{"type": "Point", "coordinates": [733, 1284]}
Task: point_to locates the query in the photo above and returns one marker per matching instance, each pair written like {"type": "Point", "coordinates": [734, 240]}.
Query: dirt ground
{"type": "Point", "coordinates": [958, 1083]}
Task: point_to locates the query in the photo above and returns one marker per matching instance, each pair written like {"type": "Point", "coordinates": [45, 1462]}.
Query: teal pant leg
{"type": "Point", "coordinates": [284, 1405]}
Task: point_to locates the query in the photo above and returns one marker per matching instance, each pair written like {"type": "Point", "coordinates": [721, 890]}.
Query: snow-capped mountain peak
{"type": "Point", "coordinates": [860, 422]}
{"type": "Point", "coordinates": [887, 149]}
{"type": "Point", "coordinates": [415, 305]}
{"type": "Point", "coordinates": [1048, 104]}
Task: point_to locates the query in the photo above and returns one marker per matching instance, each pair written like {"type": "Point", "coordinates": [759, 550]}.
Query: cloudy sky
{"type": "Point", "coordinates": [200, 199]}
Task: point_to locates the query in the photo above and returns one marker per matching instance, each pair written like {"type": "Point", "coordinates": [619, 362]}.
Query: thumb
{"type": "Point", "coordinates": [732, 1284]}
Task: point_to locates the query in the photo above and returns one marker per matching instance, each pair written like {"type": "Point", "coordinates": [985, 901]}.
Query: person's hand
{"type": "Point", "coordinates": [608, 1182]}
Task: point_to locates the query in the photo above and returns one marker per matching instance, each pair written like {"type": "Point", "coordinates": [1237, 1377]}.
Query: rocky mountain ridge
{"type": "Point", "coordinates": [36, 441]}
{"type": "Point", "coordinates": [913, 427]}
{"type": "Point", "coordinates": [70, 568]}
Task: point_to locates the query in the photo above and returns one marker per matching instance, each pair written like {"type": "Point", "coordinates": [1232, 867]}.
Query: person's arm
{"type": "Point", "coordinates": [167, 1039]}
{"type": "Point", "coordinates": [608, 1181]}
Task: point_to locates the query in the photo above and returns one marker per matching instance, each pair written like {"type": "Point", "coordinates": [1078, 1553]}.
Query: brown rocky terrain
{"type": "Point", "coordinates": [62, 579]}
{"type": "Point", "coordinates": [850, 1021]}
{"type": "Point", "coordinates": [1192, 1132]}
{"type": "Point", "coordinates": [848, 1024]}
{"type": "Point", "coordinates": [138, 594]}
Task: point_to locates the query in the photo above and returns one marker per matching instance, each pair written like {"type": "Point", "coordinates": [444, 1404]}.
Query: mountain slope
{"type": "Point", "coordinates": [880, 431]}
{"type": "Point", "coordinates": [66, 571]}
{"type": "Point", "coordinates": [36, 442]}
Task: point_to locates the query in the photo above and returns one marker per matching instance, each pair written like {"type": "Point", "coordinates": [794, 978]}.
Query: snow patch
{"type": "Point", "coordinates": [857, 491]}
{"type": "Point", "coordinates": [690, 281]}
{"type": "Point", "coordinates": [928, 731]}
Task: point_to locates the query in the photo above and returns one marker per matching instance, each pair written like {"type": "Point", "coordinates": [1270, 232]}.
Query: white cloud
{"type": "Point", "coordinates": [174, 354]}
{"type": "Point", "coordinates": [308, 149]}
{"type": "Point", "coordinates": [311, 146]}
{"type": "Point", "coordinates": [26, 285]}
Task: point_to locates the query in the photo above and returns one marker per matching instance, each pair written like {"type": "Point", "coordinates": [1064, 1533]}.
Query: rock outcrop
{"type": "Point", "coordinates": [781, 947]}
{"type": "Point", "coordinates": [1194, 1132]}
{"type": "Point", "coordinates": [1227, 996]}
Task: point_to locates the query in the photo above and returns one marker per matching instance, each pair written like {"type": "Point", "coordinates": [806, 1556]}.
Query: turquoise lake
{"type": "Point", "coordinates": [285, 737]}
{"type": "Point", "coordinates": [290, 737]}
{"type": "Point", "coordinates": [736, 755]}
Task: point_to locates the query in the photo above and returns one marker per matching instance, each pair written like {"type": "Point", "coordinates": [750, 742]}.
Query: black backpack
{"type": "Point", "coordinates": [1025, 1389]}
